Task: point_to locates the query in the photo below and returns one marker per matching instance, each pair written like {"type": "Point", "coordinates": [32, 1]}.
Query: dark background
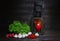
{"type": "Point", "coordinates": [22, 10]}
{"type": "Point", "coordinates": [8, 7]}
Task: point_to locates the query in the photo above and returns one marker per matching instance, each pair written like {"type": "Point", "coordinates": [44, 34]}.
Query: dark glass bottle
{"type": "Point", "coordinates": [36, 23]}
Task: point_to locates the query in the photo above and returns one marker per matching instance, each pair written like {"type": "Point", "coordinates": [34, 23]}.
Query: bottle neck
{"type": "Point", "coordinates": [37, 14]}
{"type": "Point", "coordinates": [37, 10]}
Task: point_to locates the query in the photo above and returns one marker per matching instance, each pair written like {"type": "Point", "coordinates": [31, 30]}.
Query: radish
{"type": "Point", "coordinates": [11, 35]}
{"type": "Point", "coordinates": [32, 36]}
{"type": "Point", "coordinates": [19, 36]}
{"type": "Point", "coordinates": [26, 35]}
{"type": "Point", "coordinates": [23, 36]}
{"type": "Point", "coordinates": [7, 36]}
{"type": "Point", "coordinates": [36, 34]}
{"type": "Point", "coordinates": [15, 35]}
{"type": "Point", "coordinates": [29, 33]}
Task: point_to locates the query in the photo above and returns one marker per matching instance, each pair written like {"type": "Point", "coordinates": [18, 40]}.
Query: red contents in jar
{"type": "Point", "coordinates": [38, 24]}
{"type": "Point", "coordinates": [38, 27]}
{"type": "Point", "coordinates": [32, 36]}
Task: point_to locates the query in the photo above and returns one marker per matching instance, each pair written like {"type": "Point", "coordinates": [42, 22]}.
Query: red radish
{"type": "Point", "coordinates": [12, 35]}
{"type": "Point", "coordinates": [32, 36]}
{"type": "Point", "coordinates": [7, 35]}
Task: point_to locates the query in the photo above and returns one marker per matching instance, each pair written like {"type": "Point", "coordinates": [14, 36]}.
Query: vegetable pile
{"type": "Point", "coordinates": [29, 35]}
{"type": "Point", "coordinates": [18, 27]}
{"type": "Point", "coordinates": [20, 30]}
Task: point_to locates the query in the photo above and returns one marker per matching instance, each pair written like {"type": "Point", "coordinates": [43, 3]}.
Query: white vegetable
{"type": "Point", "coordinates": [29, 33]}
{"type": "Point", "coordinates": [26, 35]}
{"type": "Point", "coordinates": [19, 36]}
{"type": "Point", "coordinates": [15, 35]}
{"type": "Point", "coordinates": [36, 34]}
{"type": "Point", "coordinates": [23, 36]}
